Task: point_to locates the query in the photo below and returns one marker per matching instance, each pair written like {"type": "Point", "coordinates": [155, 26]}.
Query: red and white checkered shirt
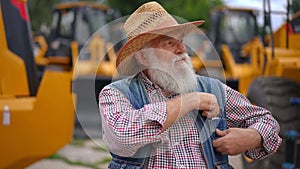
{"type": "Point", "coordinates": [127, 129]}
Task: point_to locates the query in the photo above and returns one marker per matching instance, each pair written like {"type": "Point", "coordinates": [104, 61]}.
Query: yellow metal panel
{"type": "Point", "coordinates": [286, 63]}
{"type": "Point", "coordinates": [40, 58]}
{"type": "Point", "coordinates": [18, 104]}
{"type": "Point", "coordinates": [37, 132]}
{"type": "Point", "coordinates": [294, 41]}
{"type": "Point", "coordinates": [235, 70]}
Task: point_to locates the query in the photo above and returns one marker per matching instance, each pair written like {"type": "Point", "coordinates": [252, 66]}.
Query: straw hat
{"type": "Point", "coordinates": [145, 24]}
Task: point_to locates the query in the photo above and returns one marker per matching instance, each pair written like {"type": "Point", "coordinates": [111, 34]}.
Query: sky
{"type": "Point", "coordinates": [276, 5]}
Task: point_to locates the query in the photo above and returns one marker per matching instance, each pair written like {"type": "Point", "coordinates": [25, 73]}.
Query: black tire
{"type": "Point", "coordinates": [274, 93]}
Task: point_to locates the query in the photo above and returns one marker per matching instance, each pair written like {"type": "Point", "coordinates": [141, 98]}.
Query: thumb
{"type": "Point", "coordinates": [221, 133]}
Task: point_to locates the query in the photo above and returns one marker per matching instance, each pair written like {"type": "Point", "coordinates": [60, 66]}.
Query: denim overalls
{"type": "Point", "coordinates": [133, 89]}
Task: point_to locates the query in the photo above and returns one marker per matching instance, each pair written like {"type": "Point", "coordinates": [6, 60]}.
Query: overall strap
{"type": "Point", "coordinates": [207, 127]}
{"type": "Point", "coordinates": [134, 91]}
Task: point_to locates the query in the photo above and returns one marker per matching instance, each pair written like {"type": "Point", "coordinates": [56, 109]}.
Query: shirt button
{"type": "Point", "coordinates": [180, 166]}
{"type": "Point", "coordinates": [175, 143]}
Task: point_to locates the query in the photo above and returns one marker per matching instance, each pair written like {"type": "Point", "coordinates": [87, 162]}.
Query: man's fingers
{"type": "Point", "coordinates": [221, 150]}
{"type": "Point", "coordinates": [221, 133]}
{"type": "Point", "coordinates": [219, 142]}
{"type": "Point", "coordinates": [211, 114]}
{"type": "Point", "coordinates": [205, 113]}
{"type": "Point", "coordinates": [209, 105]}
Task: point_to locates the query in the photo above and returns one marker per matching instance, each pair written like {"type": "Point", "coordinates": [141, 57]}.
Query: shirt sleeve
{"type": "Point", "coordinates": [126, 129]}
{"type": "Point", "coordinates": [241, 113]}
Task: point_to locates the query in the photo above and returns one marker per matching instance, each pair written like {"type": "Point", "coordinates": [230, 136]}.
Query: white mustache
{"type": "Point", "coordinates": [180, 57]}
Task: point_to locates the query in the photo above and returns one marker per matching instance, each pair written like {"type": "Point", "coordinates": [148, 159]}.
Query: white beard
{"type": "Point", "coordinates": [179, 78]}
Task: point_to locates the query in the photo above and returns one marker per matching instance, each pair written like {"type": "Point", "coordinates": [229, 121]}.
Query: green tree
{"type": "Point", "coordinates": [295, 6]}
{"type": "Point", "coordinates": [187, 9]}
{"type": "Point", "coordinates": [41, 12]}
{"type": "Point", "coordinates": [125, 7]}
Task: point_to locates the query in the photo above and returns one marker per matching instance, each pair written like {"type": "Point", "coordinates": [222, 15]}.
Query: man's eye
{"type": "Point", "coordinates": [170, 43]}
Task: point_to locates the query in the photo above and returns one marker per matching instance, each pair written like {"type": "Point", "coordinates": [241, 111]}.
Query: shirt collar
{"type": "Point", "coordinates": [147, 81]}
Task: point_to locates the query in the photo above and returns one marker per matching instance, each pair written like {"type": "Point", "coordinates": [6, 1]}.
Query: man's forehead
{"type": "Point", "coordinates": [166, 37]}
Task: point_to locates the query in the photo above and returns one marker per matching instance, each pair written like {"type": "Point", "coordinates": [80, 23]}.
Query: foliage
{"type": "Point", "coordinates": [125, 8]}
{"type": "Point", "coordinates": [190, 10]}
{"type": "Point", "coordinates": [41, 11]}
{"type": "Point", "coordinates": [295, 6]}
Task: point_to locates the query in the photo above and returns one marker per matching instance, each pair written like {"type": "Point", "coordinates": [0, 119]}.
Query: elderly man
{"type": "Point", "coordinates": [166, 116]}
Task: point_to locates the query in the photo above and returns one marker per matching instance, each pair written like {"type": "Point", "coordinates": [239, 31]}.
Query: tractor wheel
{"type": "Point", "coordinates": [274, 94]}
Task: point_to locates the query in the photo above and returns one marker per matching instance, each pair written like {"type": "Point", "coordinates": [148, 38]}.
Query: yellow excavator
{"type": "Point", "coordinates": [267, 72]}
{"type": "Point", "coordinates": [39, 73]}
{"type": "Point", "coordinates": [278, 88]}
{"type": "Point", "coordinates": [234, 37]}
{"type": "Point", "coordinates": [73, 24]}
{"type": "Point", "coordinates": [234, 34]}
{"type": "Point", "coordinates": [82, 40]}
{"type": "Point", "coordinates": [39, 112]}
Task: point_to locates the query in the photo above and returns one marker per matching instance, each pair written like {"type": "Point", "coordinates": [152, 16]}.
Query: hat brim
{"type": "Point", "coordinates": [129, 67]}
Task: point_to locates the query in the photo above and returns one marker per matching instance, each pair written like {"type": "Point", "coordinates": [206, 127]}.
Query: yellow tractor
{"type": "Point", "coordinates": [278, 90]}
{"type": "Point", "coordinates": [36, 84]}
{"type": "Point", "coordinates": [37, 112]}
{"type": "Point", "coordinates": [268, 73]}
{"type": "Point", "coordinates": [82, 40]}
{"type": "Point", "coordinates": [234, 37]}
{"type": "Point", "coordinates": [73, 24]}
{"type": "Point", "coordinates": [234, 34]}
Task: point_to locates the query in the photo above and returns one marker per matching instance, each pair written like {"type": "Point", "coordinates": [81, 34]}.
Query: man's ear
{"type": "Point", "coordinates": [142, 58]}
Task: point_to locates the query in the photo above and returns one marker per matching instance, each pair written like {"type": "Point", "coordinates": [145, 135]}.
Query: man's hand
{"type": "Point", "coordinates": [208, 103]}
{"type": "Point", "coordinates": [236, 140]}
{"type": "Point", "coordinates": [181, 105]}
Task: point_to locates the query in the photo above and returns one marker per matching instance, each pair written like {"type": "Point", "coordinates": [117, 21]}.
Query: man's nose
{"type": "Point", "coordinates": [180, 48]}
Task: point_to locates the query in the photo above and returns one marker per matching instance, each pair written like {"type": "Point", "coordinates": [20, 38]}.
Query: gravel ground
{"type": "Point", "coordinates": [88, 154]}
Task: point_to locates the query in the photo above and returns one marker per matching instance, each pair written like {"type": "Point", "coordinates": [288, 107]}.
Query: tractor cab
{"type": "Point", "coordinates": [234, 34]}
{"type": "Point", "coordinates": [233, 27]}
{"type": "Point", "coordinates": [74, 22]}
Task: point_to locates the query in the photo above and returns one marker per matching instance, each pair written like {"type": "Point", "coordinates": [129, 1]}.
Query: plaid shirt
{"type": "Point", "coordinates": [127, 129]}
